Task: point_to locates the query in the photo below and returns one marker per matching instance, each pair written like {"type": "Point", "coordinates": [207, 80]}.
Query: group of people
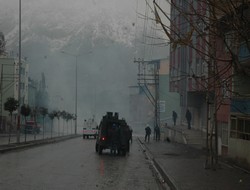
{"type": "Point", "coordinates": [148, 133]}
{"type": "Point", "coordinates": [188, 118]}
{"type": "Point", "coordinates": [157, 129]}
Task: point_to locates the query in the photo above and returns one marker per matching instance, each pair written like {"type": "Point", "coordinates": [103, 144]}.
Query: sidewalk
{"type": "Point", "coordinates": [181, 134]}
{"type": "Point", "coordinates": [22, 145]}
{"type": "Point", "coordinates": [183, 168]}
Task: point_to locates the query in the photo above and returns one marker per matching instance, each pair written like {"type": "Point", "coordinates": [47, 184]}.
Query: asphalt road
{"type": "Point", "coordinates": [74, 164]}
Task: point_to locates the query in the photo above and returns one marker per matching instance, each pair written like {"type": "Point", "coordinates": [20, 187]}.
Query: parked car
{"type": "Point", "coordinates": [31, 127]}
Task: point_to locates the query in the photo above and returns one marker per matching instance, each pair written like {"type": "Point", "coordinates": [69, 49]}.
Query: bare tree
{"type": "Point", "coordinates": [43, 111]}
{"type": "Point", "coordinates": [57, 114]}
{"type": "Point", "coordinates": [63, 115]}
{"type": "Point", "coordinates": [34, 114]}
{"type": "Point", "coordinates": [11, 105]}
{"type": "Point", "coordinates": [216, 30]}
{"type": "Point", "coordinates": [25, 111]}
{"type": "Point", "coordinates": [51, 116]}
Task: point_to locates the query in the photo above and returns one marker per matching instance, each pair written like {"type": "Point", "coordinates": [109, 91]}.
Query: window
{"type": "Point", "coordinates": [225, 89]}
{"type": "Point", "coordinates": [244, 52]}
{"type": "Point", "coordinates": [230, 42]}
{"type": "Point", "coordinates": [22, 71]}
{"type": "Point", "coordinates": [240, 128]}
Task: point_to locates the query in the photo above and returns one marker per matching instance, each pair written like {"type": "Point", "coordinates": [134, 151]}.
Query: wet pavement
{"type": "Point", "coordinates": [183, 168]}
{"type": "Point", "coordinates": [74, 164]}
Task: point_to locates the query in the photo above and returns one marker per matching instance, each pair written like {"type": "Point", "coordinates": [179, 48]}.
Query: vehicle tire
{"type": "Point", "coordinates": [128, 147]}
{"type": "Point", "coordinates": [100, 150]}
{"type": "Point", "coordinates": [113, 151]}
{"type": "Point", "coordinates": [123, 152]}
{"type": "Point", "coordinates": [96, 147]}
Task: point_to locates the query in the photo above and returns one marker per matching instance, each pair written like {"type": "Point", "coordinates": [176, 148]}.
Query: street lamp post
{"type": "Point", "coordinates": [76, 57]}
{"type": "Point", "coordinates": [19, 75]}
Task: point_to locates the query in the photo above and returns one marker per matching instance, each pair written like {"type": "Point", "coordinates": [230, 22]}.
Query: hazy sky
{"type": "Point", "coordinates": [106, 28]}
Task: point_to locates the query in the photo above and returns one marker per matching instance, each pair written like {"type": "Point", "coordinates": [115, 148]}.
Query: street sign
{"type": "Point", "coordinates": [161, 106]}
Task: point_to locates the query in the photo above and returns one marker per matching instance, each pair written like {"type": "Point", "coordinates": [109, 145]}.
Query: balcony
{"type": "Point", "coordinates": [240, 105]}
{"type": "Point", "coordinates": [244, 54]}
{"type": "Point", "coordinates": [197, 84]}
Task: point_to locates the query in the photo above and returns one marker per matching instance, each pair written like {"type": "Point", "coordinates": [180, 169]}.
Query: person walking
{"type": "Point", "coordinates": [174, 117]}
{"type": "Point", "coordinates": [148, 133]}
{"type": "Point", "coordinates": [189, 118]}
{"type": "Point", "coordinates": [130, 135]}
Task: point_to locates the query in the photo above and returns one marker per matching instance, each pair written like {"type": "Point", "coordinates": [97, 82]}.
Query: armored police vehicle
{"type": "Point", "coordinates": [114, 134]}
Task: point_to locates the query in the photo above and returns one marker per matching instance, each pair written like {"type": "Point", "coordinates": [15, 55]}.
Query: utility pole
{"type": "Point", "coordinates": [147, 78]}
{"type": "Point", "coordinates": [76, 97]}
{"type": "Point", "coordinates": [157, 106]}
{"type": "Point", "coordinates": [1, 96]}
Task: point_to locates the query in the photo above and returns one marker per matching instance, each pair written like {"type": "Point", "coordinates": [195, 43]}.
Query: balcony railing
{"type": "Point", "coordinates": [240, 105]}
{"type": "Point", "coordinates": [244, 53]}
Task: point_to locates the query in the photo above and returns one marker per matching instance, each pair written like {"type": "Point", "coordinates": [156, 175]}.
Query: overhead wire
{"type": "Point", "coordinates": [145, 23]}
{"type": "Point", "coordinates": [136, 27]}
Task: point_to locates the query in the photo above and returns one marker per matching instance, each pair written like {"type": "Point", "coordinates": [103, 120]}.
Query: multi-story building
{"type": "Point", "coordinates": [23, 82]}
{"type": "Point", "coordinates": [32, 93]}
{"type": "Point", "coordinates": [234, 47]}
{"type": "Point", "coordinates": [10, 85]}
{"type": "Point", "coordinates": [168, 101]}
{"type": "Point", "coordinates": [188, 68]}
{"type": "Point", "coordinates": [214, 79]}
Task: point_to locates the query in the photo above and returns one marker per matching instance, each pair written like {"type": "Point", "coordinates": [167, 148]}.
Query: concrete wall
{"type": "Point", "coordinates": [173, 135]}
{"type": "Point", "coordinates": [171, 99]}
{"type": "Point", "coordinates": [238, 149]}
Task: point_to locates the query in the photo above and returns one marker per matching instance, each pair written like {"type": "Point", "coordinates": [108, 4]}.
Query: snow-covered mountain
{"type": "Point", "coordinates": [58, 22]}
{"type": "Point", "coordinates": [105, 28]}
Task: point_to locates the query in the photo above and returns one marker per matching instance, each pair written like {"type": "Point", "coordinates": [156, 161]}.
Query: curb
{"type": "Point", "coordinates": [167, 178]}
{"type": "Point", "coordinates": [164, 178]}
{"type": "Point", "coordinates": [12, 147]}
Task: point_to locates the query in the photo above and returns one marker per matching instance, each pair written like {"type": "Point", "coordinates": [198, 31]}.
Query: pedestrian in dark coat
{"type": "Point", "coordinates": [157, 133]}
{"type": "Point", "coordinates": [174, 117]}
{"type": "Point", "coordinates": [131, 135]}
{"type": "Point", "coordinates": [189, 118]}
{"type": "Point", "coordinates": [148, 133]}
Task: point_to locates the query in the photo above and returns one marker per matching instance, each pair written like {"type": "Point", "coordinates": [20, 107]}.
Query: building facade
{"type": "Point", "coordinates": [169, 101]}
{"type": "Point", "coordinates": [214, 82]}
{"type": "Point", "coordinates": [237, 92]}
{"type": "Point", "coordinates": [188, 68]}
{"type": "Point", "coordinates": [9, 86]}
